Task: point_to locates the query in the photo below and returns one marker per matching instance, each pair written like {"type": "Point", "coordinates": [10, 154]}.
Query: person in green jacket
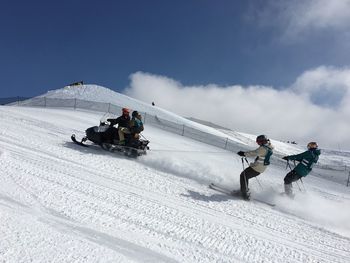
{"type": "Point", "coordinates": [306, 160]}
{"type": "Point", "coordinates": [136, 125]}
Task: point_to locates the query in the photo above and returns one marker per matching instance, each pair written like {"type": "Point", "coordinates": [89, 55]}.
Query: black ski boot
{"type": "Point", "coordinates": [245, 195]}
{"type": "Point", "coordinates": [288, 190]}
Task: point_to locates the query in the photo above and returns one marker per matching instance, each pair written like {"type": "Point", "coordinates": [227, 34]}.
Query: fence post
{"type": "Point", "coordinates": [347, 184]}
{"type": "Point", "coordinates": [75, 103]}
{"type": "Point", "coordinates": [109, 107]}
{"type": "Point", "coordinates": [226, 143]}
{"type": "Point", "coordinates": [183, 130]}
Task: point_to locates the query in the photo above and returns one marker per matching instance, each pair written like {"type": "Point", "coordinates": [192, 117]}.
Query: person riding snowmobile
{"type": "Point", "coordinates": [123, 124]}
{"type": "Point", "coordinates": [306, 160]}
{"type": "Point", "coordinates": [136, 125]}
{"type": "Point", "coordinates": [262, 154]}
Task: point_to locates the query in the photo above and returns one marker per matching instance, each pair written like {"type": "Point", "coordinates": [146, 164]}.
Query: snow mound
{"type": "Point", "coordinates": [101, 94]}
{"type": "Point", "coordinates": [91, 93]}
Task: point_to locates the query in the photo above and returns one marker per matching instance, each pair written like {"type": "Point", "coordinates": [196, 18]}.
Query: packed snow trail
{"type": "Point", "coordinates": [63, 203]}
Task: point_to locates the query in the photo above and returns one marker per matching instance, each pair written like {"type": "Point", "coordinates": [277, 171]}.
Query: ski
{"type": "Point", "coordinates": [223, 190]}
{"type": "Point", "coordinates": [236, 193]}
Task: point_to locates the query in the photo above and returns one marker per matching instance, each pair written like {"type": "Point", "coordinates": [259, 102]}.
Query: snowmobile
{"type": "Point", "coordinates": [107, 137]}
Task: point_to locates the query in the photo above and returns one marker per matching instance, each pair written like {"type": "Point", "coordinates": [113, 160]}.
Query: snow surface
{"type": "Point", "coordinates": [60, 202]}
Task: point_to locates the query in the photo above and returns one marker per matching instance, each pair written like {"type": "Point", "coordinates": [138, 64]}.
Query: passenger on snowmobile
{"type": "Point", "coordinates": [136, 125]}
{"type": "Point", "coordinates": [306, 160]}
{"type": "Point", "coordinates": [262, 159]}
{"type": "Point", "coordinates": [123, 124]}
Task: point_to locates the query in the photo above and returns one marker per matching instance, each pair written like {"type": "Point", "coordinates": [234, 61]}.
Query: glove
{"type": "Point", "coordinates": [108, 122]}
{"type": "Point", "coordinates": [285, 158]}
{"type": "Point", "coordinates": [124, 129]}
{"type": "Point", "coordinates": [240, 153]}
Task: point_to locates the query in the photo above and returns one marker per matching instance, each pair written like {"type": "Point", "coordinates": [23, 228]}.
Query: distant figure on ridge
{"type": "Point", "coordinates": [79, 83]}
{"type": "Point", "coordinates": [262, 160]}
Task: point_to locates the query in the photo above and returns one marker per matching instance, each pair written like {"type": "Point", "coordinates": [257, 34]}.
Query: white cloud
{"type": "Point", "coordinates": [326, 86]}
{"type": "Point", "coordinates": [299, 18]}
{"type": "Point", "coordinates": [297, 113]}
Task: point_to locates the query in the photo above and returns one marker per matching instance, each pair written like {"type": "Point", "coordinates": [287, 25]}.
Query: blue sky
{"type": "Point", "coordinates": [277, 67]}
{"type": "Point", "coordinates": [48, 44]}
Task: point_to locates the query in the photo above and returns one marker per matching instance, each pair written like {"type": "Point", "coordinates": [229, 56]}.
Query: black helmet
{"type": "Point", "coordinates": [261, 139]}
{"type": "Point", "coordinates": [135, 113]}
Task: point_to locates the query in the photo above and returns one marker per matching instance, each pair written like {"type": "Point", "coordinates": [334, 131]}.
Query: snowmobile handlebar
{"type": "Point", "coordinates": [105, 123]}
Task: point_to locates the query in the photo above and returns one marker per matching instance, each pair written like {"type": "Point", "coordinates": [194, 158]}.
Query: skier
{"type": "Point", "coordinates": [263, 154]}
{"type": "Point", "coordinates": [123, 124]}
{"type": "Point", "coordinates": [306, 160]}
{"type": "Point", "coordinates": [136, 125]}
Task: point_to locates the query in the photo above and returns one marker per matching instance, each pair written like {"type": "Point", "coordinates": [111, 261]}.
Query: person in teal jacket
{"type": "Point", "coordinates": [136, 125]}
{"type": "Point", "coordinates": [306, 160]}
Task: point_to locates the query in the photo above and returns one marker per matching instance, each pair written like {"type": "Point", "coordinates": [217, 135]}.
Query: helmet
{"type": "Point", "coordinates": [135, 113]}
{"type": "Point", "coordinates": [261, 139]}
{"type": "Point", "coordinates": [125, 111]}
{"type": "Point", "coordinates": [312, 145]}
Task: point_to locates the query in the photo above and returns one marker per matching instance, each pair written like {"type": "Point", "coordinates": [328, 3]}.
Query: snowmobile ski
{"type": "Point", "coordinates": [236, 193]}
{"type": "Point", "coordinates": [126, 150]}
{"type": "Point", "coordinates": [81, 143]}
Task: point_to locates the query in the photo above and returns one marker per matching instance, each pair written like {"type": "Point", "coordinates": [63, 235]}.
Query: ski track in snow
{"type": "Point", "coordinates": [61, 202]}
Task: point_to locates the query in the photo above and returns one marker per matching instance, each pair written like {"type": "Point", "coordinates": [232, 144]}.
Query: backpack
{"type": "Point", "coordinates": [268, 155]}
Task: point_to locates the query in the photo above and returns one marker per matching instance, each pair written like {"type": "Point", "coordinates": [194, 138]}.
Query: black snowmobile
{"type": "Point", "coordinates": [107, 137]}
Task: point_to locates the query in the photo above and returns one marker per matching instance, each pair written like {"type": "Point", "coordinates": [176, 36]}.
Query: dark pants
{"type": "Point", "coordinates": [291, 177]}
{"type": "Point", "coordinates": [245, 176]}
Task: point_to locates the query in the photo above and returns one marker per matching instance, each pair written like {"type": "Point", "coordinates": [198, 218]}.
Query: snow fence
{"type": "Point", "coordinates": [177, 128]}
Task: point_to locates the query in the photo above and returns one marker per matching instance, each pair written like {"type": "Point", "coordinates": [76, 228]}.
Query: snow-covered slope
{"type": "Point", "coordinates": [102, 94]}
{"type": "Point", "coordinates": [63, 203]}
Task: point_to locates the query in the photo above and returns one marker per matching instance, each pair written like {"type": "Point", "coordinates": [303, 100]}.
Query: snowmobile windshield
{"type": "Point", "coordinates": [107, 116]}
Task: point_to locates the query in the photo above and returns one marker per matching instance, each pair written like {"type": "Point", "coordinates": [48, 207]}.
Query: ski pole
{"type": "Point", "coordinates": [245, 158]}
{"type": "Point", "coordinates": [288, 165]}
{"type": "Point", "coordinates": [298, 186]}
{"type": "Point", "coordinates": [255, 176]}
{"type": "Point", "coordinates": [245, 178]}
{"type": "Point", "coordinates": [262, 188]}
{"type": "Point", "coordinates": [299, 179]}
{"type": "Point", "coordinates": [302, 183]}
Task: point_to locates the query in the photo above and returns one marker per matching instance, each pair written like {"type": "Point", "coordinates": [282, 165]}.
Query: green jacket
{"type": "Point", "coordinates": [306, 161]}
